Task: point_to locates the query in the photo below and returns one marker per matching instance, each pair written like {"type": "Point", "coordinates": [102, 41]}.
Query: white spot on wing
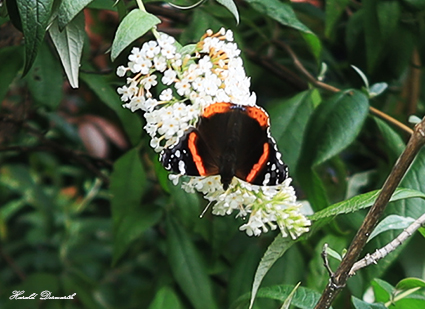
{"type": "Point", "coordinates": [182, 167]}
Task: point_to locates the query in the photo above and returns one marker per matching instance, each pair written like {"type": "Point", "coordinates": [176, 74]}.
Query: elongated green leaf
{"type": "Point", "coordinates": [188, 268]}
{"type": "Point", "coordinates": [394, 143]}
{"type": "Point", "coordinates": [382, 290]}
{"type": "Point", "coordinates": [132, 27]}
{"type": "Point", "coordinates": [288, 300]}
{"type": "Point", "coordinates": [313, 186]}
{"type": "Point", "coordinates": [334, 10]}
{"type": "Point", "coordinates": [288, 122]}
{"type": "Point", "coordinates": [128, 183]}
{"type": "Point", "coordinates": [418, 5]}
{"type": "Point", "coordinates": [410, 283]}
{"type": "Point", "coordinates": [363, 201]}
{"type": "Point", "coordinates": [34, 15]}
{"type": "Point", "coordinates": [277, 248]}
{"type": "Point", "coordinates": [11, 59]}
{"type": "Point", "coordinates": [100, 86]}
{"type": "Point", "coordinates": [45, 79]}
{"type": "Point", "coordinates": [332, 127]}
{"type": "Point", "coordinates": [392, 222]}
{"type": "Point", "coordinates": [68, 9]}
{"type": "Point", "coordinates": [388, 17]}
{"type": "Point", "coordinates": [231, 6]}
{"type": "Point", "coordinates": [165, 298]}
{"type": "Point", "coordinates": [335, 124]}
{"type": "Point", "coordinates": [360, 304]}
{"type": "Point", "coordinates": [240, 279]}
{"type": "Point", "coordinates": [69, 44]}
{"type": "Point", "coordinates": [284, 14]}
{"type": "Point", "coordinates": [303, 298]}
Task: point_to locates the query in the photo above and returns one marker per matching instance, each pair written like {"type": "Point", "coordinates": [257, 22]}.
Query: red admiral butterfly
{"type": "Point", "coordinates": [230, 140]}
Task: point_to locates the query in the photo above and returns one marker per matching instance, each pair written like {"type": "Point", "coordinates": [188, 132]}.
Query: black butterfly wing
{"type": "Point", "coordinates": [189, 156]}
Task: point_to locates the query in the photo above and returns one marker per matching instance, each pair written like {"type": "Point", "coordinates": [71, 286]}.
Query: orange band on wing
{"type": "Point", "coordinates": [216, 108]}
{"type": "Point", "coordinates": [257, 166]}
{"type": "Point", "coordinates": [259, 115]}
{"type": "Point", "coordinates": [196, 157]}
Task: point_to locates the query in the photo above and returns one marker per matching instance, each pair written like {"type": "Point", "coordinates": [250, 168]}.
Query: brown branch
{"type": "Point", "coordinates": [417, 140]}
{"type": "Point", "coordinates": [52, 146]}
{"type": "Point", "coordinates": [16, 269]}
{"type": "Point", "coordinates": [331, 88]}
{"type": "Point", "coordinates": [277, 69]}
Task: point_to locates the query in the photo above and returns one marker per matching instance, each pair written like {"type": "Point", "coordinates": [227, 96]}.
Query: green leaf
{"type": "Point", "coordinates": [417, 5]}
{"type": "Point", "coordinates": [359, 304]}
{"type": "Point", "coordinates": [303, 298]}
{"type": "Point", "coordinates": [312, 186]}
{"type": "Point", "coordinates": [410, 302]}
{"type": "Point", "coordinates": [11, 59]}
{"type": "Point", "coordinates": [277, 248]}
{"type": "Point", "coordinates": [288, 122]}
{"type": "Point", "coordinates": [410, 283]}
{"type": "Point", "coordinates": [392, 222]}
{"type": "Point", "coordinates": [35, 16]}
{"type": "Point", "coordinates": [242, 273]}
{"type": "Point", "coordinates": [101, 87]}
{"type": "Point", "coordinates": [37, 282]}
{"type": "Point", "coordinates": [128, 184]}
{"type": "Point", "coordinates": [187, 204]}
{"type": "Point", "coordinates": [288, 300]}
{"type": "Point", "coordinates": [231, 6]}
{"type": "Point", "coordinates": [284, 14]}
{"type": "Point", "coordinates": [334, 10]}
{"type": "Point", "coordinates": [393, 142]}
{"type": "Point", "coordinates": [382, 290]}
{"type": "Point", "coordinates": [132, 27]}
{"type": "Point", "coordinates": [363, 201]}
{"type": "Point", "coordinates": [334, 254]}
{"type": "Point", "coordinates": [69, 44]}
{"type": "Point", "coordinates": [389, 13]}
{"type": "Point", "coordinates": [68, 9]}
{"type": "Point", "coordinates": [165, 298]}
{"type": "Point", "coordinates": [334, 125]}
{"type": "Point", "coordinates": [45, 79]}
{"type": "Point", "coordinates": [76, 282]}
{"type": "Point", "coordinates": [188, 267]}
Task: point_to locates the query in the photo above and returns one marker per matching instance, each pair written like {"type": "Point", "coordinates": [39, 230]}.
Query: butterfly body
{"type": "Point", "coordinates": [229, 140]}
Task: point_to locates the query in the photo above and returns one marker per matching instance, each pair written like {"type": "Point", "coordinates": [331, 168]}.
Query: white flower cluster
{"type": "Point", "coordinates": [268, 207]}
{"type": "Point", "coordinates": [191, 78]}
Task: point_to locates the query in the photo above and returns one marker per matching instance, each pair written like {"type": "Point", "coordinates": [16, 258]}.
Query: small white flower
{"type": "Point", "coordinates": [149, 82]}
{"type": "Point", "coordinates": [168, 51]}
{"type": "Point", "coordinates": [151, 49]}
{"type": "Point", "coordinates": [205, 64]}
{"type": "Point", "coordinates": [160, 63]}
{"type": "Point", "coordinates": [169, 77]}
{"type": "Point", "coordinates": [183, 87]}
{"type": "Point", "coordinates": [166, 95]}
{"type": "Point", "coordinates": [150, 104]}
{"type": "Point", "coordinates": [121, 70]}
{"type": "Point", "coordinates": [137, 103]}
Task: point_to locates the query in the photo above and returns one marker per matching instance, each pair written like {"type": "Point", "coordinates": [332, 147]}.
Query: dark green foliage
{"type": "Point", "coordinates": [87, 209]}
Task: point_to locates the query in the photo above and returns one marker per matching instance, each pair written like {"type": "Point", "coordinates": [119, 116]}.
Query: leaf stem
{"type": "Point", "coordinates": [141, 5]}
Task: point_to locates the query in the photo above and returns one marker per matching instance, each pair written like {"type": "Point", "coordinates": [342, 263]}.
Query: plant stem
{"type": "Point", "coordinates": [141, 5]}
{"type": "Point", "coordinates": [339, 279]}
